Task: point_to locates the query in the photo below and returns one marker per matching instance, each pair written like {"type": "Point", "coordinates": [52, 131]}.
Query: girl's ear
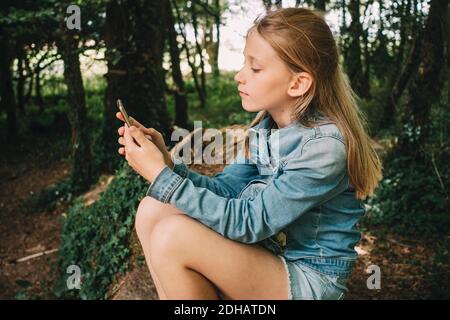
{"type": "Point", "coordinates": [300, 84]}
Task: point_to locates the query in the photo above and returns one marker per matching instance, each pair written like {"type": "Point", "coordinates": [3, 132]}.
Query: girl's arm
{"type": "Point", "coordinates": [315, 176]}
{"type": "Point", "coordinates": [227, 183]}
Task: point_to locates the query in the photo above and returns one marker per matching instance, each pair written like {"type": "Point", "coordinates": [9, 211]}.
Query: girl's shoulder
{"type": "Point", "coordinates": [326, 130]}
{"type": "Point", "coordinates": [294, 140]}
{"type": "Point", "coordinates": [323, 141]}
{"type": "Point", "coordinates": [322, 128]}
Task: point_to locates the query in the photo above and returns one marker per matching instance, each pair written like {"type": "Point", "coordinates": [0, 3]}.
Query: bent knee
{"type": "Point", "coordinates": [169, 233]}
{"type": "Point", "coordinates": [146, 215]}
{"type": "Point", "coordinates": [149, 212]}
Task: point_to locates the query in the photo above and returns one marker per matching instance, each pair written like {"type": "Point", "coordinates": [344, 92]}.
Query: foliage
{"type": "Point", "coordinates": [95, 238]}
{"type": "Point", "coordinates": [48, 199]}
{"type": "Point", "coordinates": [373, 110]}
{"type": "Point", "coordinates": [410, 198]}
{"type": "Point", "coordinates": [439, 275]}
{"type": "Point", "coordinates": [223, 105]}
{"type": "Point", "coordinates": [414, 194]}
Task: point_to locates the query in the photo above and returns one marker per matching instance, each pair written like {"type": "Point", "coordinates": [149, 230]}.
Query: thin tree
{"type": "Point", "coordinates": [7, 99]}
{"type": "Point", "coordinates": [181, 104]}
{"type": "Point", "coordinates": [182, 26]}
{"type": "Point", "coordinates": [352, 53]}
{"type": "Point", "coordinates": [427, 82]}
{"type": "Point", "coordinates": [82, 165]}
{"type": "Point", "coordinates": [199, 52]}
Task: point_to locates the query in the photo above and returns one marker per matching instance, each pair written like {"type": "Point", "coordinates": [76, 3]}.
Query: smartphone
{"type": "Point", "coordinates": [124, 112]}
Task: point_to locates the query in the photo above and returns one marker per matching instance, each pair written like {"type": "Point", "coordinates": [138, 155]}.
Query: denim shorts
{"type": "Point", "coordinates": [308, 284]}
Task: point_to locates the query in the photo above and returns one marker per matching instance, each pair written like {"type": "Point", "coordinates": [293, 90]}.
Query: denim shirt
{"type": "Point", "coordinates": [292, 196]}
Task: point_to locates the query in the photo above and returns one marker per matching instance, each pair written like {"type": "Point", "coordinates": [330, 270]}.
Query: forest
{"type": "Point", "coordinates": [68, 198]}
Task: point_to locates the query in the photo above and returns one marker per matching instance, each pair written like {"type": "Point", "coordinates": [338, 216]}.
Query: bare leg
{"type": "Point", "coordinates": [188, 283]}
{"type": "Point", "coordinates": [182, 249]}
{"type": "Point", "coordinates": [159, 289]}
{"type": "Point", "coordinates": [149, 213]}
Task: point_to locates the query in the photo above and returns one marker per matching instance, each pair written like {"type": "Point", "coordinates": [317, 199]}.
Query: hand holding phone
{"type": "Point", "coordinates": [149, 133]}
{"type": "Point", "coordinates": [124, 112]}
{"type": "Point", "coordinates": [129, 120]}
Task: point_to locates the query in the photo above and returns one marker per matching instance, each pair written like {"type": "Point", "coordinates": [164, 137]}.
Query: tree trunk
{"type": "Point", "coordinates": [404, 22]}
{"type": "Point", "coordinates": [217, 23]}
{"type": "Point", "coordinates": [7, 100]}
{"type": "Point", "coordinates": [188, 56]}
{"type": "Point", "coordinates": [82, 164]}
{"type": "Point", "coordinates": [211, 46]}
{"type": "Point", "coordinates": [134, 38]}
{"type": "Point", "coordinates": [38, 94]}
{"type": "Point", "coordinates": [181, 106]}
{"type": "Point", "coordinates": [425, 87]}
{"type": "Point", "coordinates": [353, 53]}
{"type": "Point", "coordinates": [20, 81]}
{"type": "Point", "coordinates": [343, 27]}
{"type": "Point", "coordinates": [367, 62]}
{"type": "Point", "coordinates": [320, 4]}
{"type": "Point", "coordinates": [199, 50]}
{"type": "Point", "coordinates": [401, 81]}
{"type": "Point", "coordinates": [30, 81]}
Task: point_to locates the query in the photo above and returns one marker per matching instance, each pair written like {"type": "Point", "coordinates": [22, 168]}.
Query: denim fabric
{"type": "Point", "coordinates": [292, 196]}
{"type": "Point", "coordinates": [308, 284]}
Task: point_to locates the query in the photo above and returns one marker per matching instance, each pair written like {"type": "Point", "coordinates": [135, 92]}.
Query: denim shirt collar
{"type": "Point", "coordinates": [269, 145]}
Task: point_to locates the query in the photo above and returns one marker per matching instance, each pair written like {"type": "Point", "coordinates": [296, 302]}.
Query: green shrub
{"type": "Point", "coordinates": [96, 238]}
{"type": "Point", "coordinates": [414, 195]}
{"type": "Point", "coordinates": [410, 199]}
{"type": "Point", "coordinates": [223, 103]}
{"type": "Point", "coordinates": [439, 275]}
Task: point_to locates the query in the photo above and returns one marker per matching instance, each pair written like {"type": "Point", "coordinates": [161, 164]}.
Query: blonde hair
{"type": "Point", "coordinates": [303, 40]}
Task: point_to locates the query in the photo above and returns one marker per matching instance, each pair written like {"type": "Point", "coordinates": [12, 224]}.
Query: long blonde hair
{"type": "Point", "coordinates": [303, 40]}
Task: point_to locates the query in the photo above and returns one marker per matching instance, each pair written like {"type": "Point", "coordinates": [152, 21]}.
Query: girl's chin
{"type": "Point", "coordinates": [250, 108]}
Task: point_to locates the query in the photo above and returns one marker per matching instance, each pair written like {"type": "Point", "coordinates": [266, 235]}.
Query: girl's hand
{"type": "Point", "coordinates": [152, 134]}
{"type": "Point", "coordinates": [142, 154]}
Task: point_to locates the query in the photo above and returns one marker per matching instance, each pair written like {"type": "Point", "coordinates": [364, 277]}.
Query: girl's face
{"type": "Point", "coordinates": [264, 80]}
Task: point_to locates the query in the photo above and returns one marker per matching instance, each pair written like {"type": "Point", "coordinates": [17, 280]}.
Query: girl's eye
{"type": "Point", "coordinates": [255, 70]}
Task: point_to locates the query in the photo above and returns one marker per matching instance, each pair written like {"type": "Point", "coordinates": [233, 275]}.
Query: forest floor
{"type": "Point", "coordinates": [406, 263]}
{"type": "Point", "coordinates": [26, 169]}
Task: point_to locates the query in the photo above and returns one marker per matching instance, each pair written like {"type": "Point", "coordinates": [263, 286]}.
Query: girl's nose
{"type": "Point", "coordinates": [238, 78]}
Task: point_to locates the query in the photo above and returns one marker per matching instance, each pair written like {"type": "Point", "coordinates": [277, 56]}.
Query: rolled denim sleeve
{"type": "Point", "coordinates": [313, 177]}
{"type": "Point", "coordinates": [227, 183]}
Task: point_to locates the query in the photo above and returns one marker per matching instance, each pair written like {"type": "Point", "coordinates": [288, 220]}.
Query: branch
{"type": "Point", "coordinates": [215, 14]}
{"type": "Point", "coordinates": [36, 255]}
{"type": "Point", "coordinates": [55, 57]}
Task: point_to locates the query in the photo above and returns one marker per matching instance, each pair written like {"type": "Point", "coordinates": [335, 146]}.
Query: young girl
{"type": "Point", "coordinates": [283, 229]}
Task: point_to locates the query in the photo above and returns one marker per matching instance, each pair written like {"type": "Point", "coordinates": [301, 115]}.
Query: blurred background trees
{"type": "Point", "coordinates": [162, 59]}
{"type": "Point", "coordinates": [394, 52]}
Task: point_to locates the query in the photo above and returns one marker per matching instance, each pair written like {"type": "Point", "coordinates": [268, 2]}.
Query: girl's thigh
{"type": "Point", "coordinates": [238, 270]}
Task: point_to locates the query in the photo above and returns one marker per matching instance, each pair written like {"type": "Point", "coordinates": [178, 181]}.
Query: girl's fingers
{"type": "Point", "coordinates": [133, 121]}
{"type": "Point", "coordinates": [128, 138]}
{"type": "Point", "coordinates": [121, 132]}
{"type": "Point", "coordinates": [119, 116]}
{"type": "Point", "coordinates": [136, 123]}
{"type": "Point", "coordinates": [122, 150]}
{"type": "Point", "coordinates": [157, 137]}
{"type": "Point", "coordinates": [153, 133]}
